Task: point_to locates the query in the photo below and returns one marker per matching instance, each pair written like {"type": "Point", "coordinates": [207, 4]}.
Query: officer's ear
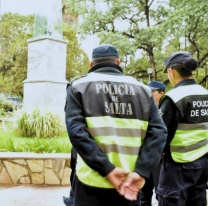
{"type": "Point", "coordinates": [118, 61]}
{"type": "Point", "coordinates": [162, 93]}
{"type": "Point", "coordinates": [91, 64]}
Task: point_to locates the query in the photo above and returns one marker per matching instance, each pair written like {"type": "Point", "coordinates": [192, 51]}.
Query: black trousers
{"type": "Point", "coordinates": [69, 201]}
{"type": "Point", "coordinates": [183, 184]}
{"type": "Point", "coordinates": [150, 183]}
{"type": "Point", "coordinates": [83, 195]}
{"type": "Point", "coordinates": [91, 196]}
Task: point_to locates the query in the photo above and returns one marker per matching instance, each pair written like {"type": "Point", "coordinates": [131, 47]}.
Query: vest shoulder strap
{"type": "Point", "coordinates": [78, 77]}
{"type": "Point", "coordinates": [179, 93]}
{"type": "Point", "coordinates": [96, 77]}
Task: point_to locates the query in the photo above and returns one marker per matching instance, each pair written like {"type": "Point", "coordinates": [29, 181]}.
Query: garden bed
{"type": "Point", "coordinates": [34, 161]}
{"type": "Point", "coordinates": [10, 142]}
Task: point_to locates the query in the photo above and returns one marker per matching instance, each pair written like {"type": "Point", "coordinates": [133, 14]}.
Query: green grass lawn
{"type": "Point", "coordinates": [14, 143]}
{"type": "Point", "coordinates": [64, 138]}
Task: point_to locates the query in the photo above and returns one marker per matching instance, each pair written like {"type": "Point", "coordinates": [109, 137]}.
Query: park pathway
{"type": "Point", "coordinates": [37, 196]}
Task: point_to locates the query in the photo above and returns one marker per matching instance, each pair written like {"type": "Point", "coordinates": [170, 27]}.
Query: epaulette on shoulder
{"type": "Point", "coordinates": [78, 77]}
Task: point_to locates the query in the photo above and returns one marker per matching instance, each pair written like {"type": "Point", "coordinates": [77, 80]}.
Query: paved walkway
{"type": "Point", "coordinates": [33, 196]}
{"type": "Point", "coordinates": [37, 196]}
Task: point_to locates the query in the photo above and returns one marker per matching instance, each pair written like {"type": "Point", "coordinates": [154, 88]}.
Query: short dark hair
{"type": "Point", "coordinates": [104, 59]}
{"type": "Point", "coordinates": [185, 68]}
{"type": "Point", "coordinates": [159, 90]}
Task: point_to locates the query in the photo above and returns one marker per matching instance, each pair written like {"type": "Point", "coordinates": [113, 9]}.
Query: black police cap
{"type": "Point", "coordinates": [157, 85]}
{"type": "Point", "coordinates": [105, 50]}
{"type": "Point", "coordinates": [176, 57]}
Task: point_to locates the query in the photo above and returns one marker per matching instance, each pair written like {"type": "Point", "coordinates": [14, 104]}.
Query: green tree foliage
{"type": "Point", "coordinates": [157, 28]}
{"type": "Point", "coordinates": [15, 30]}
{"type": "Point", "coordinates": [188, 22]}
{"type": "Point", "coordinates": [131, 25]}
{"type": "Point", "coordinates": [77, 62]}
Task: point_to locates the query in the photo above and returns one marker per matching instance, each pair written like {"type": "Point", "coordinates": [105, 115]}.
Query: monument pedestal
{"type": "Point", "coordinates": [45, 86]}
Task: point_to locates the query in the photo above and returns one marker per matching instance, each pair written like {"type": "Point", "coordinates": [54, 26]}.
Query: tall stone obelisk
{"type": "Point", "coordinates": [45, 86]}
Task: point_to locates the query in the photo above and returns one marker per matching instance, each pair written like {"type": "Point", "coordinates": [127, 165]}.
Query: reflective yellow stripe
{"type": "Point", "coordinates": [190, 137]}
{"type": "Point", "coordinates": [188, 148]}
{"type": "Point", "coordinates": [120, 149]}
{"type": "Point", "coordinates": [125, 141]}
{"type": "Point", "coordinates": [120, 139]}
{"type": "Point", "coordinates": [90, 177]}
{"type": "Point", "coordinates": [189, 145]}
{"type": "Point", "coordinates": [120, 132]}
{"type": "Point", "coordinates": [189, 156]}
{"type": "Point", "coordinates": [108, 121]}
{"type": "Point", "coordinates": [198, 126]}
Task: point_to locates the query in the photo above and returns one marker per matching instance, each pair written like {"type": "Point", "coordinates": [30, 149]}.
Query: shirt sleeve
{"type": "Point", "coordinates": [171, 116]}
{"type": "Point", "coordinates": [154, 143]}
{"type": "Point", "coordinates": [81, 140]}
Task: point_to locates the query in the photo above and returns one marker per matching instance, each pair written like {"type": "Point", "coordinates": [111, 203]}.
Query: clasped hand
{"type": "Point", "coordinates": [128, 187]}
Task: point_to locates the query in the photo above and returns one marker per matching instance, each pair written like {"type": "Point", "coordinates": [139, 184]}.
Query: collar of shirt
{"type": "Point", "coordinates": [185, 82]}
{"type": "Point", "coordinates": [106, 67]}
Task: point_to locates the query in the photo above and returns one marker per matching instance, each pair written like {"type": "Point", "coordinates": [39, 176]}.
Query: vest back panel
{"type": "Point", "coordinates": [191, 138]}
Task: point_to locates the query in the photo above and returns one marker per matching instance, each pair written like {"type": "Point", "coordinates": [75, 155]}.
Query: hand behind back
{"type": "Point", "coordinates": [117, 177]}
{"type": "Point", "coordinates": [131, 186]}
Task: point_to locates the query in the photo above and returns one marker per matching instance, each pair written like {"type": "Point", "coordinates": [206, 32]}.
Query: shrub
{"type": "Point", "coordinates": [5, 114]}
{"type": "Point", "coordinates": [40, 123]}
{"type": "Point", "coordinates": [2, 112]}
{"type": "Point", "coordinates": [1, 103]}
{"type": "Point", "coordinates": [7, 106]}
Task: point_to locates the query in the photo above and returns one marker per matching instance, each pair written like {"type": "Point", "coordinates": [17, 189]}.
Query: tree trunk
{"type": "Point", "coordinates": [71, 20]}
{"type": "Point", "coordinates": [152, 64]}
{"type": "Point", "coordinates": [150, 48]}
{"type": "Point", "coordinates": [205, 68]}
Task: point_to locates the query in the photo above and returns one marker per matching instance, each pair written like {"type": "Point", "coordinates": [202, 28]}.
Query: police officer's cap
{"type": "Point", "coordinates": [176, 57]}
{"type": "Point", "coordinates": [157, 85]}
{"type": "Point", "coordinates": [105, 50]}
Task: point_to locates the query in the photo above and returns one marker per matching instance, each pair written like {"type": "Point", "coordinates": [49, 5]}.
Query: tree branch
{"type": "Point", "coordinates": [113, 26]}
{"type": "Point", "coordinates": [166, 81]}
{"type": "Point", "coordinates": [159, 70]}
{"type": "Point", "coordinates": [158, 23]}
{"type": "Point", "coordinates": [128, 35]}
{"type": "Point", "coordinates": [202, 59]}
{"type": "Point", "coordinates": [141, 2]}
{"type": "Point", "coordinates": [141, 47]}
{"type": "Point", "coordinates": [130, 19]}
{"type": "Point", "coordinates": [151, 3]}
{"type": "Point", "coordinates": [195, 46]}
{"type": "Point", "coordinates": [203, 80]}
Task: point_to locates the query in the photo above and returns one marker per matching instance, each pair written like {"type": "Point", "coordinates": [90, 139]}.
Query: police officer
{"type": "Point", "coordinates": [158, 90]}
{"type": "Point", "coordinates": [114, 126]}
{"type": "Point", "coordinates": [183, 175]}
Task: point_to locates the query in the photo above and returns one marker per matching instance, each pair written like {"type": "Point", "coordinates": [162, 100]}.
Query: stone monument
{"type": "Point", "coordinates": [45, 86]}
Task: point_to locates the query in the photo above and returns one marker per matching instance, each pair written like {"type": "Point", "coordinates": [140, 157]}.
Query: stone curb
{"type": "Point", "coordinates": [34, 169]}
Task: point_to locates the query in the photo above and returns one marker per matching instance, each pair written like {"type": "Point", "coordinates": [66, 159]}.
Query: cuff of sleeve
{"type": "Point", "coordinates": [107, 169]}
{"type": "Point", "coordinates": [144, 173]}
